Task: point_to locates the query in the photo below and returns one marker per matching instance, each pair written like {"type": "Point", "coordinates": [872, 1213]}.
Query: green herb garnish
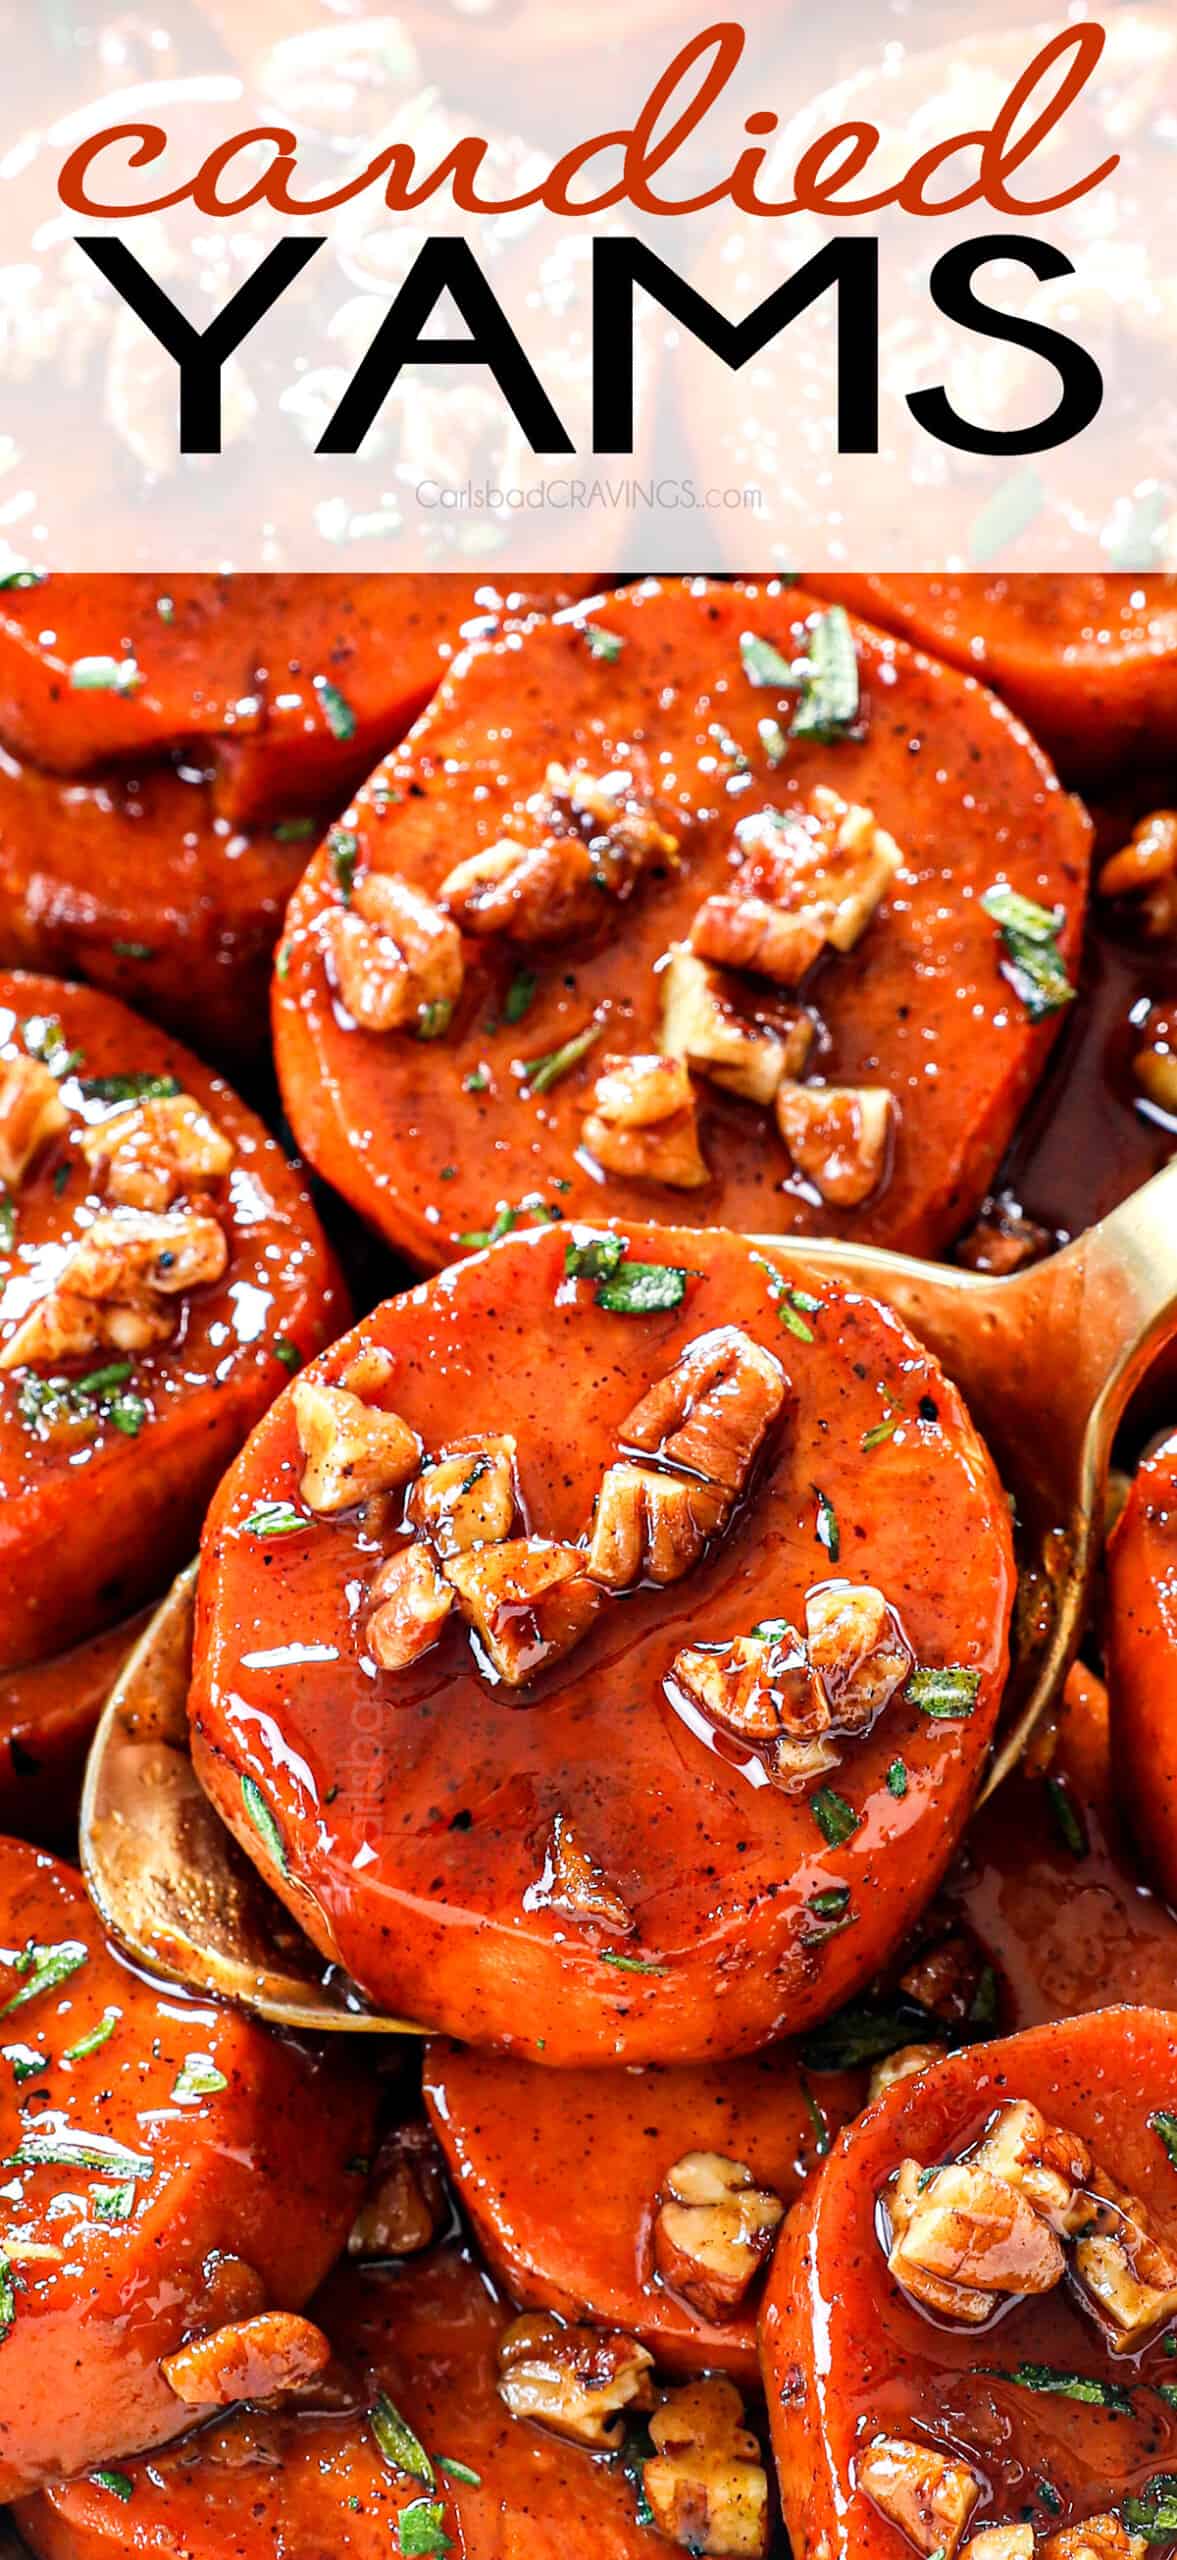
{"type": "Point", "coordinates": [595, 1259]}
{"type": "Point", "coordinates": [7, 2297]}
{"type": "Point", "coordinates": [264, 1823]}
{"type": "Point", "coordinates": [397, 2442]}
{"type": "Point", "coordinates": [198, 2078]}
{"type": "Point", "coordinates": [828, 1533]}
{"type": "Point", "coordinates": [116, 2482]}
{"type": "Point", "coordinates": [105, 675]}
{"type": "Point", "coordinates": [421, 2530]}
{"type": "Point", "coordinates": [460, 2471]}
{"type": "Point", "coordinates": [97, 2037]}
{"type": "Point", "coordinates": [343, 845]}
{"type": "Point", "coordinates": [1066, 2386]}
{"type": "Point", "coordinates": [879, 1431]}
{"type": "Point", "coordinates": [897, 1778]}
{"type": "Point", "coordinates": [828, 676]}
{"type": "Point", "coordinates": [129, 1088]}
{"type": "Point", "coordinates": [773, 740]}
{"type": "Point", "coordinates": [1068, 1821]}
{"type": "Point", "coordinates": [630, 1964]}
{"type": "Point", "coordinates": [1153, 2510]}
{"type": "Point", "coordinates": [642, 1289]}
{"type": "Point", "coordinates": [542, 1073]}
{"type": "Point", "coordinates": [275, 1520]}
{"type": "Point", "coordinates": [7, 1221]}
{"type": "Point", "coordinates": [603, 644]}
{"type": "Point", "coordinates": [44, 1038]}
{"type": "Point", "coordinates": [27, 2063]}
{"type": "Point", "coordinates": [113, 2204]}
{"type": "Point", "coordinates": [520, 995]}
{"type": "Point", "coordinates": [869, 2030]}
{"type": "Point", "coordinates": [78, 2151]}
{"type": "Point", "coordinates": [763, 664]}
{"type": "Point", "coordinates": [15, 579]}
{"type": "Point", "coordinates": [1033, 963]}
{"type": "Point", "coordinates": [294, 830]}
{"type": "Point", "coordinates": [133, 950]}
{"type": "Point", "coordinates": [1164, 2124]}
{"type": "Point", "coordinates": [44, 1968]}
{"type": "Point", "coordinates": [288, 1353]}
{"type": "Point", "coordinates": [337, 711]}
{"type": "Point", "coordinates": [946, 1691]}
{"type": "Point", "coordinates": [836, 1820]}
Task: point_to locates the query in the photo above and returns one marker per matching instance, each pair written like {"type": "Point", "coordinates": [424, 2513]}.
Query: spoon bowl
{"type": "Point", "coordinates": [1047, 1362]}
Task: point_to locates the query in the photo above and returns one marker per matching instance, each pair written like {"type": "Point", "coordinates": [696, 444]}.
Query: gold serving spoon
{"type": "Point", "coordinates": [1046, 1362]}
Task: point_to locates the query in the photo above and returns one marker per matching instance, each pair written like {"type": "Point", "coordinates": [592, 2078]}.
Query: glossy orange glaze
{"type": "Point", "coordinates": [429, 1139]}
{"type": "Point", "coordinates": [1142, 1659]}
{"type": "Point", "coordinates": [138, 886]}
{"type": "Point", "coordinates": [94, 1521]}
{"type": "Point", "coordinates": [847, 2356]}
{"type": "Point", "coordinates": [299, 2485]}
{"type": "Point", "coordinates": [47, 1718]}
{"type": "Point", "coordinates": [1069, 1921]}
{"type": "Point", "coordinates": [233, 665]}
{"type": "Point", "coordinates": [415, 1807]}
{"type": "Point", "coordinates": [1089, 662]}
{"type": "Point", "coordinates": [562, 2185]}
{"type": "Point", "coordinates": [256, 2167]}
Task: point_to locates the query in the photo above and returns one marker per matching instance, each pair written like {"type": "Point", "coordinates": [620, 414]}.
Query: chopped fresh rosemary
{"type": "Point", "coordinates": [14, 579]}
{"type": "Point", "coordinates": [275, 1520]}
{"type": "Point", "coordinates": [1153, 2510]}
{"type": "Point", "coordinates": [133, 950]}
{"type": "Point", "coordinates": [288, 1353]}
{"type": "Point", "coordinates": [44, 1968]}
{"type": "Point", "coordinates": [397, 2442]}
{"type": "Point", "coordinates": [1164, 2124]}
{"type": "Point", "coordinates": [630, 1964]}
{"type": "Point", "coordinates": [44, 1404]}
{"type": "Point", "coordinates": [343, 845]}
{"type": "Point", "coordinates": [897, 1778]}
{"type": "Point", "coordinates": [520, 995]}
{"type": "Point", "coordinates": [97, 2037]}
{"type": "Point", "coordinates": [198, 2078]}
{"type": "Point", "coordinates": [294, 830]}
{"type": "Point", "coordinates": [459, 2471]}
{"type": "Point", "coordinates": [1067, 2386]}
{"type": "Point", "coordinates": [763, 664]}
{"type": "Point", "coordinates": [7, 2297]}
{"type": "Point", "coordinates": [421, 2531]}
{"type": "Point", "coordinates": [116, 2482]}
{"type": "Point", "coordinates": [594, 1258]}
{"type": "Point", "coordinates": [264, 1822]}
{"type": "Point", "coordinates": [7, 1220]}
{"type": "Point", "coordinates": [828, 675]}
{"type": "Point", "coordinates": [27, 2063]}
{"type": "Point", "coordinates": [773, 740]}
{"type": "Point", "coordinates": [879, 1431]}
{"type": "Point", "coordinates": [433, 1020]}
{"type": "Point", "coordinates": [337, 711]}
{"type": "Point", "coordinates": [44, 1038]}
{"type": "Point", "coordinates": [607, 645]}
{"type": "Point", "coordinates": [78, 2151]}
{"type": "Point", "coordinates": [105, 675]}
{"type": "Point", "coordinates": [828, 1533]}
{"type": "Point", "coordinates": [642, 1289]}
{"type": "Point", "coordinates": [542, 1073]}
{"type": "Point", "coordinates": [113, 2204]}
{"type": "Point", "coordinates": [869, 2030]}
{"type": "Point", "coordinates": [828, 1905]}
{"type": "Point", "coordinates": [129, 1088]}
{"type": "Point", "coordinates": [836, 1820]}
{"type": "Point", "coordinates": [1033, 963]}
{"type": "Point", "coordinates": [1068, 1820]}
{"type": "Point", "coordinates": [944, 1691]}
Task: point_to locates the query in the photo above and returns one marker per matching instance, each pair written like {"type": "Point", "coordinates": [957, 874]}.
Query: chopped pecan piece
{"type": "Point", "coordinates": [250, 2360]}
{"type": "Point", "coordinates": [596, 835]}
{"type": "Point", "coordinates": [410, 1604]}
{"type": "Point", "coordinates": [232, 2290]}
{"type": "Point", "coordinates": [536, 893]}
{"type": "Point", "coordinates": [944, 1973]}
{"type": "Point", "coordinates": [709, 1415]}
{"type": "Point", "coordinates": [1127, 2273]}
{"type": "Point", "coordinates": [706, 2486]}
{"type": "Point", "coordinates": [857, 1650]}
{"type": "Point", "coordinates": [1146, 869]}
{"type": "Point", "coordinates": [157, 1151]}
{"type": "Point", "coordinates": [112, 1289]}
{"type": "Point", "coordinates": [810, 878]}
{"type": "Point", "coordinates": [963, 2237]}
{"type": "Point", "coordinates": [1098, 2538]}
{"type": "Point", "coordinates": [839, 1136]}
{"type": "Point", "coordinates": [353, 1450]}
{"type": "Point", "coordinates": [1155, 1062]}
{"type": "Point", "coordinates": [1050, 2167]}
{"type": "Point", "coordinates": [530, 1601]}
{"type": "Point", "coordinates": [406, 2206]}
{"type": "Point", "coordinates": [650, 1527]}
{"type": "Point", "coordinates": [577, 2381]}
{"type": "Point", "coordinates": [713, 2231]}
{"type": "Point", "coordinates": [1001, 2542]}
{"type": "Point", "coordinates": [397, 958]}
{"type": "Point", "coordinates": [928, 2495]}
{"type": "Point", "coordinates": [32, 1113]}
{"type": "Point", "coordinates": [1003, 1241]}
{"type": "Point", "coordinates": [644, 1122]}
{"type": "Point", "coordinates": [573, 1882]}
{"type": "Point", "coordinates": [903, 2065]}
{"type": "Point", "coordinates": [701, 1024]}
{"type": "Point", "coordinates": [762, 1689]}
{"type": "Point", "coordinates": [467, 1497]}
